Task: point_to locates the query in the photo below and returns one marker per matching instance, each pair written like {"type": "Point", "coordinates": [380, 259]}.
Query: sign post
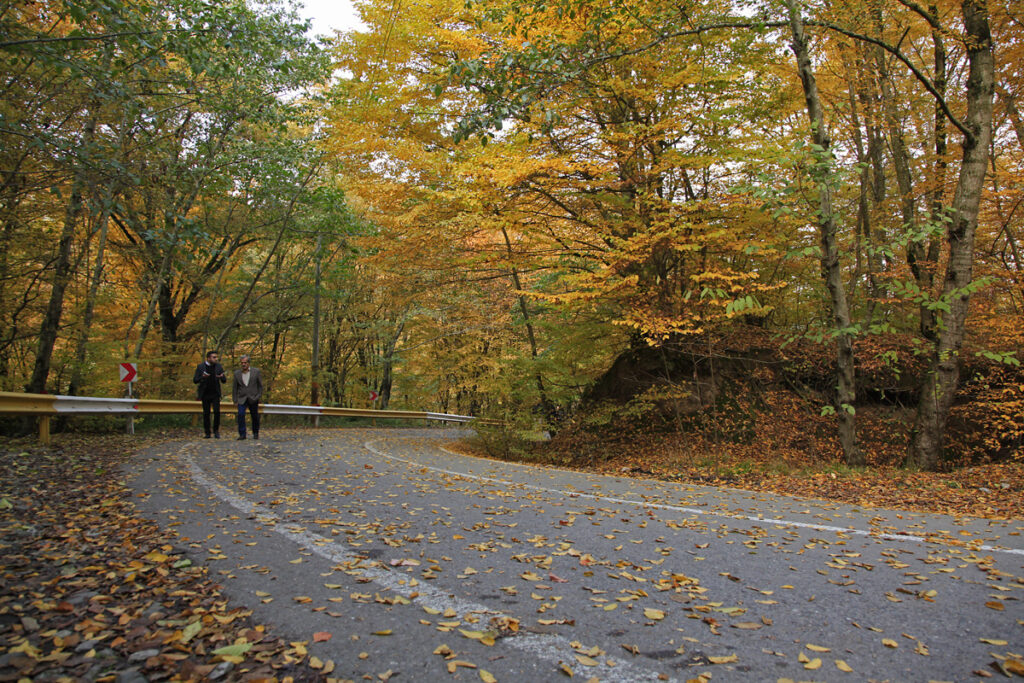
{"type": "Point", "coordinates": [128, 373]}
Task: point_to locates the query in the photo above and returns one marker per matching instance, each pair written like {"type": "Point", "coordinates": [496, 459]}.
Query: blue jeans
{"type": "Point", "coordinates": [254, 412]}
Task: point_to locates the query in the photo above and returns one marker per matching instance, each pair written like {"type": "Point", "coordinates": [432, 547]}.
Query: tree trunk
{"type": "Point", "coordinates": [90, 300]}
{"type": "Point", "coordinates": [388, 359]}
{"type": "Point", "coordinates": [545, 403]}
{"type": "Point", "coordinates": [943, 377]}
{"type": "Point", "coordinates": [61, 274]}
{"type": "Point", "coordinates": [831, 269]}
{"type": "Point", "coordinates": [314, 365]}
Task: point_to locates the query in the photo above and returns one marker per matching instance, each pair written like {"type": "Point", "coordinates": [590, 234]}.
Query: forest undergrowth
{"type": "Point", "coordinates": [757, 422]}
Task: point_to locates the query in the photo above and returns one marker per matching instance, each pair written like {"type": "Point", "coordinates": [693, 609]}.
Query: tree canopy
{"type": "Point", "coordinates": [562, 213]}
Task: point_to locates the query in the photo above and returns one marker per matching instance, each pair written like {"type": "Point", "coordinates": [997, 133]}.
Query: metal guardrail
{"type": "Point", "coordinates": [46, 406]}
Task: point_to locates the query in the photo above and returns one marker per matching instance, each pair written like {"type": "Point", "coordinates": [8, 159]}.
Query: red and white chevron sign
{"type": "Point", "coordinates": [128, 372]}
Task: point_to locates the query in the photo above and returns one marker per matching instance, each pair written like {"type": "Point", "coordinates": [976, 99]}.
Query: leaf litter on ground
{"type": "Point", "coordinates": [89, 589]}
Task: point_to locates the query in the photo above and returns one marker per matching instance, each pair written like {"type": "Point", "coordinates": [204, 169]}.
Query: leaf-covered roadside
{"type": "Point", "coordinates": [91, 591]}
{"type": "Point", "coordinates": [989, 491]}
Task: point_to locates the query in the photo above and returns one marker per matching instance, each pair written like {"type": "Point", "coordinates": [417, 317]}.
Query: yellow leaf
{"type": "Point", "coordinates": [565, 669]}
{"type": "Point", "coordinates": [456, 663]}
{"type": "Point", "coordinates": [992, 641]}
{"type": "Point", "coordinates": [586, 661]}
{"type": "Point", "coordinates": [747, 625]}
{"type": "Point", "coordinates": [655, 614]}
{"type": "Point", "coordinates": [728, 659]}
{"type": "Point", "coordinates": [386, 632]}
{"type": "Point", "coordinates": [817, 648]}
{"type": "Point", "coordinates": [843, 666]}
{"type": "Point", "coordinates": [316, 663]}
{"type": "Point", "coordinates": [813, 664]}
{"type": "Point", "coordinates": [487, 676]}
{"type": "Point", "coordinates": [485, 637]}
{"type": "Point", "coordinates": [998, 606]}
{"type": "Point", "coordinates": [889, 642]}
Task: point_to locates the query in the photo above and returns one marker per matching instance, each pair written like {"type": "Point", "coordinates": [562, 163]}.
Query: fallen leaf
{"type": "Point", "coordinates": [456, 663]}
{"type": "Point", "coordinates": [236, 650]}
{"type": "Point", "coordinates": [485, 637]}
{"type": "Point", "coordinates": [748, 625]}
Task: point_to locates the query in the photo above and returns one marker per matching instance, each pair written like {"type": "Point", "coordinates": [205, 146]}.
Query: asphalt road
{"type": "Point", "coordinates": [387, 553]}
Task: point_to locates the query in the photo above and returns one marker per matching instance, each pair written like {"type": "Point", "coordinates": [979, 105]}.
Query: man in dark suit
{"type": "Point", "coordinates": [246, 392]}
{"type": "Point", "coordinates": [208, 378]}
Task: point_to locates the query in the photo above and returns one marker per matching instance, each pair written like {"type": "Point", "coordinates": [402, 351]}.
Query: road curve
{"type": "Point", "coordinates": [418, 561]}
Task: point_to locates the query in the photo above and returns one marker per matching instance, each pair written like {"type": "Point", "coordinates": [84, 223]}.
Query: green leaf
{"type": "Point", "coordinates": [236, 650]}
{"type": "Point", "coordinates": [191, 630]}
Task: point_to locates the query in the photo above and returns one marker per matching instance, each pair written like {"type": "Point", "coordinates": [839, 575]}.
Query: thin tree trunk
{"type": "Point", "coordinates": [90, 300]}
{"type": "Point", "coordinates": [546, 405]}
{"type": "Point", "coordinates": [846, 390]}
{"type": "Point", "coordinates": [154, 298]}
{"type": "Point", "coordinates": [865, 251]}
{"type": "Point", "coordinates": [1010, 104]}
{"type": "Point", "coordinates": [943, 377]}
{"type": "Point", "coordinates": [388, 358]}
{"type": "Point", "coordinates": [917, 251]}
{"type": "Point", "coordinates": [61, 273]}
{"type": "Point", "coordinates": [314, 366]}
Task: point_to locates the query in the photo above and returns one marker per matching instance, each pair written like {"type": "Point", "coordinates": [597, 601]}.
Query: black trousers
{"type": "Point", "coordinates": [254, 412]}
{"type": "Point", "coordinates": [211, 403]}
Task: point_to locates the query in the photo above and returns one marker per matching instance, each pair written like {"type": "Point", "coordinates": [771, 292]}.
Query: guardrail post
{"type": "Point", "coordinates": [44, 430]}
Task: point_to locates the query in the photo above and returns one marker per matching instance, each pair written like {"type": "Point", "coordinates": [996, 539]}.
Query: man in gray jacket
{"type": "Point", "coordinates": [246, 392]}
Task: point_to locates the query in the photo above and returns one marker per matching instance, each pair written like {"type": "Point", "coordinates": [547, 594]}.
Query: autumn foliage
{"type": "Point", "coordinates": [578, 218]}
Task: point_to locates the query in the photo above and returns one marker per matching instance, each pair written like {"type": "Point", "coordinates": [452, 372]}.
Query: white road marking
{"type": "Point", "coordinates": [552, 648]}
{"type": "Point", "coordinates": [697, 511]}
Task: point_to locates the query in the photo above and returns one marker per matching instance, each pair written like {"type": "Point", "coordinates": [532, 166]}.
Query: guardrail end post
{"type": "Point", "coordinates": [44, 430]}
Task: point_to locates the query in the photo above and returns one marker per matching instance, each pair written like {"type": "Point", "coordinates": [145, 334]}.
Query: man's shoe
{"type": "Point", "coordinates": [217, 435]}
{"type": "Point", "coordinates": [206, 436]}
{"type": "Point", "coordinates": [241, 438]}
{"type": "Point", "coordinates": [256, 436]}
